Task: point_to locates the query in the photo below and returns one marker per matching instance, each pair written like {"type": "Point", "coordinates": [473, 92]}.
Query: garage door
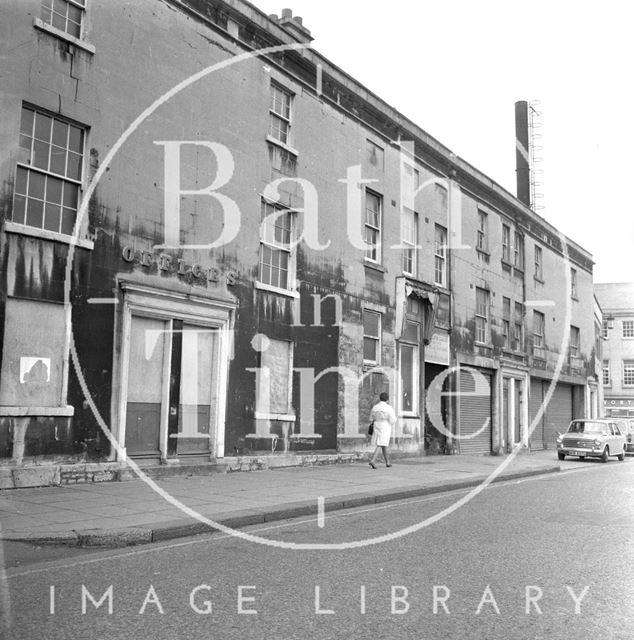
{"type": "Point", "coordinates": [474, 401]}
{"type": "Point", "coordinates": [558, 413]}
{"type": "Point", "coordinates": [535, 401]}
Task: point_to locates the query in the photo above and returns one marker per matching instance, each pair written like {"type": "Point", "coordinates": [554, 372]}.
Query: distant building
{"type": "Point", "coordinates": [179, 320]}
{"type": "Point", "coordinates": [617, 305]}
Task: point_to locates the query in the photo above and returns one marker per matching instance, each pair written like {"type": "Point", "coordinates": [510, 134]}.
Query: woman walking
{"type": "Point", "coordinates": [383, 417]}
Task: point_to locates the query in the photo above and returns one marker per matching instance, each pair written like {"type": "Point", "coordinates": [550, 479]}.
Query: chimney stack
{"type": "Point", "coordinates": [293, 25]}
{"type": "Point", "coordinates": [522, 153]}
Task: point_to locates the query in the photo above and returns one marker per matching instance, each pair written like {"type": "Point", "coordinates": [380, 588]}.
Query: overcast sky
{"type": "Point", "coordinates": [457, 67]}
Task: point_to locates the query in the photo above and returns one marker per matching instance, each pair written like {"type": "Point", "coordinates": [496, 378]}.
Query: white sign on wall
{"type": "Point", "coordinates": [34, 369]}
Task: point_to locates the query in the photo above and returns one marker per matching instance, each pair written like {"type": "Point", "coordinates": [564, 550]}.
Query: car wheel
{"type": "Point", "coordinates": [560, 455]}
{"type": "Point", "coordinates": [621, 456]}
{"type": "Point", "coordinates": [606, 454]}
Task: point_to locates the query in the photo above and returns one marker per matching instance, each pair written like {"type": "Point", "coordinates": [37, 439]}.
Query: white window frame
{"type": "Point", "coordinates": [277, 116]}
{"type": "Point", "coordinates": [374, 254]}
{"type": "Point", "coordinates": [482, 316]}
{"type": "Point", "coordinates": [628, 373]}
{"type": "Point", "coordinates": [482, 231]}
{"type": "Point", "coordinates": [539, 263]}
{"type": "Point", "coordinates": [506, 243]}
{"type": "Point", "coordinates": [518, 250]}
{"type": "Point", "coordinates": [539, 329]}
{"type": "Point", "coordinates": [410, 241]}
{"type": "Point", "coordinates": [607, 382]}
{"type": "Point", "coordinates": [518, 327]}
{"type": "Point", "coordinates": [627, 329]}
{"type": "Point", "coordinates": [440, 255]}
{"type": "Point", "coordinates": [44, 23]}
{"type": "Point", "coordinates": [376, 339]}
{"type": "Point", "coordinates": [30, 169]}
{"type": "Point", "coordinates": [506, 321]}
{"type": "Point", "coordinates": [573, 284]}
{"type": "Point", "coordinates": [266, 209]}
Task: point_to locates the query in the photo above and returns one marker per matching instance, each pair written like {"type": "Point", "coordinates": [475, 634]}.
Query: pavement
{"type": "Point", "coordinates": [132, 512]}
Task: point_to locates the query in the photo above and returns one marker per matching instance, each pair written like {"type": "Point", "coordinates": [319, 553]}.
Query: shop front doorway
{"type": "Point", "coordinates": [172, 390]}
{"type": "Point", "coordinates": [172, 364]}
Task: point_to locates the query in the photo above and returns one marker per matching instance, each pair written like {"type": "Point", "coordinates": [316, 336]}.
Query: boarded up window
{"type": "Point", "coordinates": [33, 354]}
{"type": "Point", "coordinates": [278, 359]}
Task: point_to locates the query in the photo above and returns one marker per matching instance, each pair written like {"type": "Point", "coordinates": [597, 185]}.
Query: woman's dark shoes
{"type": "Point", "coordinates": [388, 464]}
{"type": "Point", "coordinates": [372, 464]}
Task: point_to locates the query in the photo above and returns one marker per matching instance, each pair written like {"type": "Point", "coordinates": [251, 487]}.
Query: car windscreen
{"type": "Point", "coordinates": [587, 427]}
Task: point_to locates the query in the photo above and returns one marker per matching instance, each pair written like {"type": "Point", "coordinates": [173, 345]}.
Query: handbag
{"type": "Point", "coordinates": [371, 428]}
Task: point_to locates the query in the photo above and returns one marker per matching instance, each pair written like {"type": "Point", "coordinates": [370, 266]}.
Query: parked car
{"type": "Point", "coordinates": [626, 426]}
{"type": "Point", "coordinates": [593, 438]}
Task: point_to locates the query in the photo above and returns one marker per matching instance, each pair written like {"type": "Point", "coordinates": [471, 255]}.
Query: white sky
{"type": "Point", "coordinates": [457, 67]}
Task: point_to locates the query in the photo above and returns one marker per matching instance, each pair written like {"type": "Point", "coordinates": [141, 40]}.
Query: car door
{"type": "Point", "coordinates": [618, 440]}
{"type": "Point", "coordinates": [613, 439]}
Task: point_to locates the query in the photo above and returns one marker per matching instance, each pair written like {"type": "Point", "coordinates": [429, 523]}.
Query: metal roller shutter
{"type": "Point", "coordinates": [558, 413]}
{"type": "Point", "coordinates": [475, 412]}
{"type": "Point", "coordinates": [535, 402]}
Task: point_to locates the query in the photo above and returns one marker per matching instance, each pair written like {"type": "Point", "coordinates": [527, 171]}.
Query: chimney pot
{"type": "Point", "coordinates": [293, 25]}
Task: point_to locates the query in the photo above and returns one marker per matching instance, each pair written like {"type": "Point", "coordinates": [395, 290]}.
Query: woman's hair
{"type": "Point", "coordinates": [384, 397]}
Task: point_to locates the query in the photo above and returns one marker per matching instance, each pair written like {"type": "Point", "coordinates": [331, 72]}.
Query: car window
{"type": "Point", "coordinates": [586, 427]}
{"type": "Point", "coordinates": [617, 431]}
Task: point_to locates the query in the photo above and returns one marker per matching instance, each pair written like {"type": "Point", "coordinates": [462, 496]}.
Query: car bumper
{"type": "Point", "coordinates": [629, 447]}
{"type": "Point", "coordinates": [580, 451]}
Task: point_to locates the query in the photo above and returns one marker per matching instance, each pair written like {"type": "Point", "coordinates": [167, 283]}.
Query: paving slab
{"type": "Point", "coordinates": [131, 512]}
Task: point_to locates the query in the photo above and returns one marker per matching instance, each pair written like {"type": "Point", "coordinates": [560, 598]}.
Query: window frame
{"type": "Point", "coordinates": [375, 253]}
{"type": "Point", "coordinates": [276, 116]}
{"type": "Point", "coordinates": [482, 316]}
{"type": "Point", "coordinates": [410, 250]}
{"type": "Point", "coordinates": [414, 345]}
{"type": "Point", "coordinates": [482, 235]}
{"type": "Point", "coordinates": [29, 167]}
{"type": "Point", "coordinates": [574, 345]}
{"type": "Point", "coordinates": [266, 208]}
{"type": "Point", "coordinates": [539, 263]}
{"type": "Point", "coordinates": [518, 250]}
{"type": "Point", "coordinates": [573, 284]}
{"type": "Point", "coordinates": [518, 327]}
{"type": "Point", "coordinates": [605, 369]}
{"type": "Point", "coordinates": [506, 243]}
{"type": "Point", "coordinates": [440, 256]}
{"type": "Point", "coordinates": [539, 322]}
{"type": "Point", "coordinates": [376, 338]}
{"type": "Point", "coordinates": [627, 329]}
{"type": "Point", "coordinates": [506, 322]}
{"type": "Point", "coordinates": [628, 373]}
{"type": "Point", "coordinates": [43, 24]}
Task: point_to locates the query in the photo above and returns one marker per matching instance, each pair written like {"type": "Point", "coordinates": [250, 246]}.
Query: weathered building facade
{"type": "Point", "coordinates": [215, 243]}
{"type": "Point", "coordinates": [617, 305]}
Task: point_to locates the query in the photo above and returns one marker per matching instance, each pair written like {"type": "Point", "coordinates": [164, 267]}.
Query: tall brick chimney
{"type": "Point", "coordinates": [293, 25]}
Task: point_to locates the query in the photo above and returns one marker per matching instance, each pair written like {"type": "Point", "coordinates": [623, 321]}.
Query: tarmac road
{"type": "Point", "coordinates": [544, 557]}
